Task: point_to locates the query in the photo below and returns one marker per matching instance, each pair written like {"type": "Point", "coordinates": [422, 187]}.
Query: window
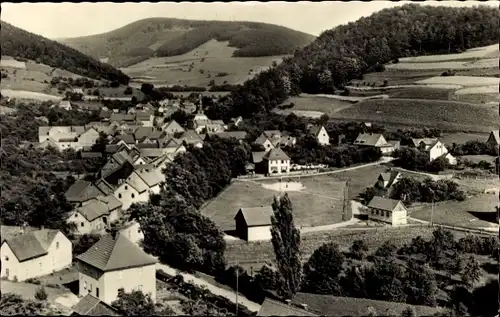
{"type": "Point", "coordinates": [76, 215]}
{"type": "Point", "coordinates": [126, 187]}
{"type": "Point", "coordinates": [82, 224]}
{"type": "Point", "coordinates": [97, 292]}
{"type": "Point", "coordinates": [132, 195]}
{"type": "Point", "coordinates": [138, 230]}
{"type": "Point", "coordinates": [119, 195]}
{"type": "Point", "coordinates": [57, 245]}
{"type": "Point", "coordinates": [90, 287]}
{"type": "Point", "coordinates": [6, 258]}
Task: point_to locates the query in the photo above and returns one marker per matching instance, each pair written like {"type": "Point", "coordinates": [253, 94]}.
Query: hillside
{"type": "Point", "coordinates": [350, 51]}
{"type": "Point", "coordinates": [163, 37]}
{"type": "Point", "coordinates": [24, 45]}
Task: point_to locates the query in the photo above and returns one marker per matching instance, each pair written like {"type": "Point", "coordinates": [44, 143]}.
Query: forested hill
{"type": "Point", "coordinates": [163, 37]}
{"type": "Point", "coordinates": [22, 44]}
{"type": "Point", "coordinates": [348, 51]}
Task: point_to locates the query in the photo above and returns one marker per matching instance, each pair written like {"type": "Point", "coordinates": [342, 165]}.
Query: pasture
{"type": "Point", "coordinates": [30, 95]}
{"type": "Point", "coordinates": [416, 92]}
{"type": "Point", "coordinates": [201, 65]}
{"type": "Point", "coordinates": [445, 115]}
{"type": "Point", "coordinates": [464, 81]}
{"type": "Point", "coordinates": [325, 105]}
{"type": "Point", "coordinates": [482, 63]}
{"type": "Point", "coordinates": [468, 213]}
{"type": "Point", "coordinates": [460, 137]}
{"type": "Point", "coordinates": [485, 52]}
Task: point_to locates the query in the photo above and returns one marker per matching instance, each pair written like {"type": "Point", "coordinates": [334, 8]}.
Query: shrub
{"type": "Point", "coordinates": [127, 91]}
{"type": "Point", "coordinates": [33, 281]}
{"type": "Point", "coordinates": [41, 294]}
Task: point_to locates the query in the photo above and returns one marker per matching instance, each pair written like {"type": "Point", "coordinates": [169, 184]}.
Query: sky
{"type": "Point", "coordinates": [61, 20]}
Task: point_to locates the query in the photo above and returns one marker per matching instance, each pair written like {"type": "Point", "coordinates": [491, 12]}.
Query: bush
{"type": "Point", "coordinates": [127, 91]}
{"type": "Point", "coordinates": [33, 281]}
{"type": "Point", "coordinates": [41, 294]}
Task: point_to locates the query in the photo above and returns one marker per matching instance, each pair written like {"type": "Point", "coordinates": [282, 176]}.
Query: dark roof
{"type": "Point", "coordinates": [122, 117]}
{"type": "Point", "coordinates": [127, 138]}
{"type": "Point", "coordinates": [383, 203]}
{"type": "Point", "coordinates": [190, 136]}
{"type": "Point", "coordinates": [367, 139]}
{"type": "Point", "coordinates": [81, 191]}
{"type": "Point", "coordinates": [98, 207]}
{"type": "Point", "coordinates": [32, 244]}
{"type": "Point", "coordinates": [92, 306]}
{"type": "Point", "coordinates": [146, 145]}
{"type": "Point", "coordinates": [256, 216]}
{"type": "Point", "coordinates": [143, 132]}
{"type": "Point", "coordinates": [258, 156]}
{"type": "Point", "coordinates": [238, 135]}
{"type": "Point", "coordinates": [426, 141]}
{"type": "Point", "coordinates": [274, 308]}
{"type": "Point", "coordinates": [105, 114]}
{"type": "Point", "coordinates": [389, 177]}
{"type": "Point", "coordinates": [110, 254]}
{"type": "Point", "coordinates": [143, 115]}
{"type": "Point", "coordinates": [327, 305]}
{"type": "Point", "coordinates": [104, 186]}
{"type": "Point", "coordinates": [315, 129]}
{"type": "Point", "coordinates": [276, 154]}
{"type": "Point", "coordinates": [91, 154]}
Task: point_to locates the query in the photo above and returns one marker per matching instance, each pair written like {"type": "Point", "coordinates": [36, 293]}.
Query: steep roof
{"type": "Point", "coordinates": [496, 136]}
{"type": "Point", "coordinates": [152, 152]}
{"type": "Point", "coordinates": [276, 154]}
{"type": "Point", "coordinates": [151, 177]}
{"type": "Point", "coordinates": [104, 186]}
{"type": "Point", "coordinates": [190, 137]}
{"type": "Point", "coordinates": [383, 203]}
{"type": "Point", "coordinates": [367, 139]}
{"type": "Point", "coordinates": [122, 117]}
{"type": "Point", "coordinates": [256, 216]}
{"type": "Point", "coordinates": [119, 253]}
{"type": "Point", "coordinates": [327, 305]}
{"type": "Point", "coordinates": [137, 182]}
{"type": "Point", "coordinates": [98, 207]}
{"type": "Point", "coordinates": [81, 191]}
{"type": "Point", "coordinates": [389, 177]}
{"type": "Point", "coordinates": [426, 141]}
{"type": "Point", "coordinates": [92, 306]}
{"type": "Point", "coordinates": [143, 132]}
{"type": "Point", "coordinates": [261, 139]}
{"type": "Point", "coordinates": [32, 244]}
{"type": "Point", "coordinates": [173, 124]}
{"type": "Point", "coordinates": [274, 308]}
{"type": "Point", "coordinates": [315, 129]}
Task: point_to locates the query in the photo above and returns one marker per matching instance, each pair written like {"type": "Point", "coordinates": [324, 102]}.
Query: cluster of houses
{"type": "Point", "coordinates": [112, 263]}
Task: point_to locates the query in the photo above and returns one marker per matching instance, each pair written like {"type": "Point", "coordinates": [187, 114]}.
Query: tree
{"type": "Point", "coordinates": [202, 308]}
{"type": "Point", "coordinates": [266, 278]}
{"type": "Point", "coordinates": [420, 284]}
{"type": "Point", "coordinates": [13, 304]}
{"type": "Point", "coordinates": [128, 91]}
{"type": "Point", "coordinates": [41, 294]}
{"type": "Point", "coordinates": [85, 242]}
{"type": "Point", "coordinates": [358, 249]}
{"type": "Point", "coordinates": [286, 243]}
{"type": "Point", "coordinates": [409, 312]}
{"type": "Point", "coordinates": [321, 272]}
{"type": "Point", "coordinates": [135, 303]}
{"type": "Point", "coordinates": [386, 250]}
{"type": "Point", "coordinates": [471, 272]}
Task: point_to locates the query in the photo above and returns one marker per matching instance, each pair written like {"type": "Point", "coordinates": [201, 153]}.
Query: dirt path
{"type": "Point", "coordinates": [230, 295]}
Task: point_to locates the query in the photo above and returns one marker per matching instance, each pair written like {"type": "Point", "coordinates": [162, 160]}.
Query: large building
{"type": "Point", "coordinates": [253, 224]}
{"type": "Point", "coordinates": [35, 253]}
{"type": "Point", "coordinates": [388, 211]}
{"type": "Point", "coordinates": [112, 263]}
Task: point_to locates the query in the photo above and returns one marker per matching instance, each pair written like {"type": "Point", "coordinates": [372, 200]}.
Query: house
{"type": "Point", "coordinates": [82, 191]}
{"type": "Point", "coordinates": [264, 142]}
{"type": "Point", "coordinates": [96, 215]}
{"type": "Point", "coordinates": [276, 308]}
{"type": "Point", "coordinates": [253, 224]}
{"type": "Point", "coordinates": [112, 263]}
{"type": "Point", "coordinates": [133, 232]}
{"type": "Point", "coordinates": [172, 128]}
{"type": "Point", "coordinates": [396, 144]}
{"type": "Point", "coordinates": [191, 137]}
{"type": "Point", "coordinates": [374, 140]}
{"type": "Point", "coordinates": [93, 306]}
{"type": "Point", "coordinates": [65, 137]}
{"type": "Point", "coordinates": [121, 118]}
{"type": "Point", "coordinates": [276, 161]}
{"type": "Point", "coordinates": [65, 104]}
{"type": "Point", "coordinates": [78, 91]}
{"type": "Point", "coordinates": [494, 138]}
{"type": "Point", "coordinates": [137, 187]}
{"type": "Point", "coordinates": [387, 179]}
{"type": "Point", "coordinates": [146, 118]}
{"type": "Point", "coordinates": [320, 134]}
{"type": "Point", "coordinates": [387, 210]}
{"type": "Point", "coordinates": [105, 115]}
{"type": "Point", "coordinates": [35, 253]}
{"type": "Point", "coordinates": [434, 148]}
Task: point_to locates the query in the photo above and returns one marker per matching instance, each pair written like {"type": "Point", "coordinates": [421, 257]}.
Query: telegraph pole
{"type": "Point", "coordinates": [237, 278]}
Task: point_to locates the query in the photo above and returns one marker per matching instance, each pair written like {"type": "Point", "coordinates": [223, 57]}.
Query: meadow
{"type": "Point", "coordinates": [325, 105]}
{"type": "Point", "coordinates": [459, 213]}
{"type": "Point", "coordinates": [444, 65]}
{"type": "Point", "coordinates": [445, 115]}
{"type": "Point", "coordinates": [207, 62]}
{"type": "Point", "coordinates": [465, 81]}
{"type": "Point", "coordinates": [460, 137]}
{"type": "Point", "coordinates": [490, 51]}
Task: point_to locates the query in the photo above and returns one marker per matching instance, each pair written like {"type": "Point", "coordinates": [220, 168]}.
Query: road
{"type": "Point", "coordinates": [230, 295]}
{"type": "Point", "coordinates": [385, 159]}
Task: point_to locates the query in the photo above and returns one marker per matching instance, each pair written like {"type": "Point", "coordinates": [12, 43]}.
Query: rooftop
{"type": "Point", "coordinates": [256, 216]}
{"type": "Point", "coordinates": [32, 244]}
{"type": "Point", "coordinates": [383, 203]}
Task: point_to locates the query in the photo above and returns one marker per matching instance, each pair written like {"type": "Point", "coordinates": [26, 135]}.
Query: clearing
{"type": "Point", "coordinates": [471, 212]}
{"type": "Point", "coordinates": [210, 61]}
{"type": "Point", "coordinates": [445, 115]}
{"type": "Point", "coordinates": [316, 104]}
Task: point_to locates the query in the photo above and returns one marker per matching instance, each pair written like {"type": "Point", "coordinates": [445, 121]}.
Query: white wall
{"type": "Point", "coordinates": [133, 233]}
{"type": "Point", "coordinates": [125, 192]}
{"type": "Point", "coordinates": [279, 165]}
{"type": "Point", "coordinates": [259, 233]}
{"type": "Point", "coordinates": [438, 150]}
{"type": "Point", "coordinates": [323, 137]}
{"type": "Point", "coordinates": [142, 278]}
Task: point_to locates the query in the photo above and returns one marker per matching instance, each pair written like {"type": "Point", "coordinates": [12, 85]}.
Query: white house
{"type": "Point", "coordinates": [75, 137]}
{"type": "Point", "coordinates": [320, 134]}
{"type": "Point", "coordinates": [376, 140]}
{"type": "Point", "coordinates": [386, 180]}
{"type": "Point", "coordinates": [253, 224]}
{"type": "Point", "coordinates": [388, 211]}
{"type": "Point", "coordinates": [139, 185]}
{"type": "Point", "coordinates": [133, 232]}
{"type": "Point", "coordinates": [34, 254]}
{"type": "Point", "coordinates": [277, 161]}
{"type": "Point", "coordinates": [434, 148]}
{"type": "Point", "coordinates": [94, 216]}
{"type": "Point", "coordinates": [112, 263]}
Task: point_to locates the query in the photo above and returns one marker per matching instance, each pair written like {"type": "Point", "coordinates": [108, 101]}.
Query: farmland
{"type": "Point", "coordinates": [461, 214]}
{"type": "Point", "coordinates": [465, 81]}
{"type": "Point", "coordinates": [490, 51]}
{"type": "Point", "coordinates": [325, 105]}
{"type": "Point", "coordinates": [210, 61]}
{"type": "Point", "coordinates": [445, 115]}
{"type": "Point", "coordinates": [421, 93]}
{"type": "Point", "coordinates": [460, 137]}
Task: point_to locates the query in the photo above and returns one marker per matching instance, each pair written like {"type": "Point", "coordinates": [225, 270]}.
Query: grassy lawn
{"type": "Point", "coordinates": [455, 213]}
{"type": "Point", "coordinates": [446, 115]}
{"type": "Point", "coordinates": [61, 277]}
{"type": "Point", "coordinates": [476, 185]}
{"type": "Point", "coordinates": [310, 207]}
{"type": "Point", "coordinates": [314, 103]}
{"type": "Point", "coordinates": [28, 291]}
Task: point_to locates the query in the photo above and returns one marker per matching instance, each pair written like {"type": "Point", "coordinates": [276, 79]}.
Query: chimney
{"type": "Point", "coordinates": [304, 306]}
{"type": "Point", "coordinates": [288, 301]}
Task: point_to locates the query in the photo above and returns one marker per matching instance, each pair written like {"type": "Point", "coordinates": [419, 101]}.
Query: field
{"type": "Point", "coordinates": [421, 93]}
{"type": "Point", "coordinates": [325, 105]}
{"type": "Point", "coordinates": [460, 137]}
{"type": "Point", "coordinates": [490, 51]}
{"type": "Point", "coordinates": [466, 81]}
{"type": "Point", "coordinates": [445, 115]}
{"type": "Point", "coordinates": [207, 61]}
{"type": "Point", "coordinates": [24, 94]}
{"type": "Point", "coordinates": [468, 213]}
{"type": "Point", "coordinates": [481, 63]}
